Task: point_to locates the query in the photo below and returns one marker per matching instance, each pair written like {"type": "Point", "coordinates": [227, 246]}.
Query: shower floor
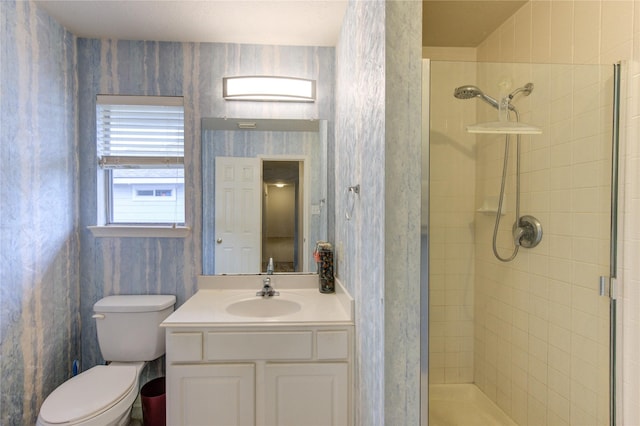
{"type": "Point", "coordinates": [463, 405]}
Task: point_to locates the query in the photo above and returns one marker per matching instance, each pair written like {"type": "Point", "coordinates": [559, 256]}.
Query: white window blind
{"type": "Point", "coordinates": [140, 131]}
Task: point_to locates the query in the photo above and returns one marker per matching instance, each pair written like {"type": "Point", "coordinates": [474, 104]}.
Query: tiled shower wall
{"type": "Point", "coordinates": [451, 224]}
{"type": "Point", "coordinates": [541, 330]}
{"type": "Point", "coordinates": [563, 32]}
{"type": "Point", "coordinates": [599, 32]}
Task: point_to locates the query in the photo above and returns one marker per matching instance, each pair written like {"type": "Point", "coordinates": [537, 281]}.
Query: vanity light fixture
{"type": "Point", "coordinates": [268, 88]}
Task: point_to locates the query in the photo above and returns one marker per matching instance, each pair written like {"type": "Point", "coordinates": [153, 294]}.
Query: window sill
{"type": "Point", "coordinates": [140, 231]}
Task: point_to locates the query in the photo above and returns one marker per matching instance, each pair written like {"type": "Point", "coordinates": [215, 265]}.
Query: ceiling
{"type": "Point", "coordinates": [462, 23]}
{"type": "Point", "coordinates": [277, 22]}
{"type": "Point", "coordinates": [457, 23]}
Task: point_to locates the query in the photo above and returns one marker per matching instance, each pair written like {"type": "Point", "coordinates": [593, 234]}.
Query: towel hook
{"type": "Point", "coordinates": [352, 193]}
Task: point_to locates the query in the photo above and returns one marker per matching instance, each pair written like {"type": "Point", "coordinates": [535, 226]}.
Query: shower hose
{"type": "Point", "coordinates": [505, 165]}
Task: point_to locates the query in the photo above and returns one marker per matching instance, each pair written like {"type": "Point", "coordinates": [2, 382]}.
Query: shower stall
{"type": "Point", "coordinates": [521, 332]}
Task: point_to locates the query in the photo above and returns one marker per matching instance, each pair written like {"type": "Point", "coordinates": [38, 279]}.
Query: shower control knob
{"type": "Point", "coordinates": [527, 232]}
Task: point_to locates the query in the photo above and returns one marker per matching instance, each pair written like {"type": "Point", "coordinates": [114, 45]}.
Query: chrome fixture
{"type": "Point", "coordinates": [353, 192]}
{"type": "Point", "coordinates": [267, 290]}
{"type": "Point", "coordinates": [270, 266]}
{"type": "Point", "coordinates": [528, 233]}
{"type": "Point", "coordinates": [268, 88]}
{"type": "Point", "coordinates": [503, 125]}
{"type": "Point", "coordinates": [469, 92]}
{"type": "Point", "coordinates": [527, 230]}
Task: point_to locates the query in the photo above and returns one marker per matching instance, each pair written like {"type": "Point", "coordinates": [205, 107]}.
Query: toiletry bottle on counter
{"type": "Point", "coordinates": [323, 255]}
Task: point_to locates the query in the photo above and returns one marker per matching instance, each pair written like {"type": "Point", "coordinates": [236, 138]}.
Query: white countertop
{"type": "Point", "coordinates": [215, 293]}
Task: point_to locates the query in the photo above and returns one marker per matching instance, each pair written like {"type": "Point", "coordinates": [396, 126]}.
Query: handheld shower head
{"type": "Point", "coordinates": [466, 92]}
{"type": "Point", "coordinates": [469, 91]}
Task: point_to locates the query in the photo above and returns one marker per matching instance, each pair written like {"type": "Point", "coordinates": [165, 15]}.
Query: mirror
{"type": "Point", "coordinates": [246, 217]}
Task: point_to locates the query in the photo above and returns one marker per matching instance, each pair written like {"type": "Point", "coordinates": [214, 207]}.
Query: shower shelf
{"type": "Point", "coordinates": [504, 128]}
{"type": "Point", "coordinates": [490, 206]}
{"type": "Point", "coordinates": [490, 211]}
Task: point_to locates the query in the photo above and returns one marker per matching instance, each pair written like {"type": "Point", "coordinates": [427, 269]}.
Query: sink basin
{"type": "Point", "coordinates": [263, 307]}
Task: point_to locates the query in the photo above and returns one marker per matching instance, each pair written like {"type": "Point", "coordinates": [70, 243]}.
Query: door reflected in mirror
{"type": "Point", "coordinates": [264, 192]}
{"type": "Point", "coordinates": [282, 218]}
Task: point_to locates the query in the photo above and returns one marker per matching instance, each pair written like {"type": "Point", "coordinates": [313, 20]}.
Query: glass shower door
{"type": "Point", "coordinates": [531, 335]}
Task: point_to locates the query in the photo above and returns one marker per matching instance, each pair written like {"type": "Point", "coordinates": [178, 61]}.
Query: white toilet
{"type": "Point", "coordinates": [129, 335]}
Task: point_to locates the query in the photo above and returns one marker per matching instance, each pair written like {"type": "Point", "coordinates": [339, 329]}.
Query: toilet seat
{"type": "Point", "coordinates": [89, 394]}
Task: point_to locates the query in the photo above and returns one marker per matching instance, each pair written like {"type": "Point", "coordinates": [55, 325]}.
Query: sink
{"type": "Point", "coordinates": [263, 307]}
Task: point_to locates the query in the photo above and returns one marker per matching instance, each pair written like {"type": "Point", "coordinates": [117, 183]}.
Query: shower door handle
{"type": "Point", "coordinates": [607, 287]}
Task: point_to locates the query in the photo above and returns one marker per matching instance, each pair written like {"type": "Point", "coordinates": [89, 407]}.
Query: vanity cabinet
{"type": "Point", "coordinates": [271, 375]}
{"type": "Point", "coordinates": [211, 394]}
{"type": "Point", "coordinates": [306, 394]}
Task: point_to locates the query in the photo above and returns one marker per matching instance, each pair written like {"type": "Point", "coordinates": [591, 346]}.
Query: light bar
{"type": "Point", "coordinates": [267, 88]}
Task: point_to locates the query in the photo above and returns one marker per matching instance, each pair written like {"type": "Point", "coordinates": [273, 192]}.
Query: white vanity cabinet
{"type": "Point", "coordinates": [211, 394]}
{"type": "Point", "coordinates": [306, 394]}
{"type": "Point", "coordinates": [260, 375]}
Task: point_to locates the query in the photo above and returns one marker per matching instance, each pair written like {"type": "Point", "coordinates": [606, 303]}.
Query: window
{"type": "Point", "coordinates": [141, 157]}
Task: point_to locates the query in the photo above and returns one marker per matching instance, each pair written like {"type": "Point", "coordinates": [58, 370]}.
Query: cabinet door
{"type": "Point", "coordinates": [306, 394]}
{"type": "Point", "coordinates": [211, 395]}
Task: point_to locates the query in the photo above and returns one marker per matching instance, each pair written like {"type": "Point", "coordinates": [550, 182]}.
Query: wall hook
{"type": "Point", "coordinates": [352, 193]}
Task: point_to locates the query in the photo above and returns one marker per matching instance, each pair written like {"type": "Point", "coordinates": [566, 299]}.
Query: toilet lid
{"type": "Point", "coordinates": [88, 394]}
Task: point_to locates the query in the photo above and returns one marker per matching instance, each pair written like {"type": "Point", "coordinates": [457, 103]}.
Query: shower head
{"type": "Point", "coordinates": [468, 92]}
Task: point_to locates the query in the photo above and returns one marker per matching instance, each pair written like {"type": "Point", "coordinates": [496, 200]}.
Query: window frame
{"type": "Point", "coordinates": [106, 227]}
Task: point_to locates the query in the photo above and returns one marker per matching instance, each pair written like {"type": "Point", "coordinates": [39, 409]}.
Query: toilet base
{"type": "Point", "coordinates": [118, 414]}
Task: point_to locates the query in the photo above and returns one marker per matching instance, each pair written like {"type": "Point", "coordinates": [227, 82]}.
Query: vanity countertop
{"type": "Point", "coordinates": [210, 305]}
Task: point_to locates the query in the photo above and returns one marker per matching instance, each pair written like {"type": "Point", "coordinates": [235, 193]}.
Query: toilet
{"type": "Point", "coordinates": [129, 336]}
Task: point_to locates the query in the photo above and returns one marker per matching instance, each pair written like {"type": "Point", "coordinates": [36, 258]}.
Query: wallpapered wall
{"type": "Point", "coordinates": [39, 293]}
{"type": "Point", "coordinates": [378, 147]}
{"type": "Point", "coordinates": [49, 285]}
{"type": "Point", "coordinates": [195, 71]}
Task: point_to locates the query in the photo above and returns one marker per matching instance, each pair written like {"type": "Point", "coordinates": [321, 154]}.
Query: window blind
{"type": "Point", "coordinates": [140, 131]}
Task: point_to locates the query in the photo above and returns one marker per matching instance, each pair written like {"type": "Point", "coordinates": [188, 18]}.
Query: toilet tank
{"type": "Point", "coordinates": [129, 326]}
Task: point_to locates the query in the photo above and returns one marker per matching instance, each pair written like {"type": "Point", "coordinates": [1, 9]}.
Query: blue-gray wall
{"type": "Point", "coordinates": [195, 71]}
{"type": "Point", "coordinates": [402, 204]}
{"type": "Point", "coordinates": [49, 83]}
{"type": "Point", "coordinates": [39, 269]}
{"type": "Point", "coordinates": [360, 160]}
{"type": "Point", "coordinates": [378, 113]}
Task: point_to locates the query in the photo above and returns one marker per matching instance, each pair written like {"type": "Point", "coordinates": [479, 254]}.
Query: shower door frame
{"type": "Point", "coordinates": [613, 240]}
{"type": "Point", "coordinates": [424, 247]}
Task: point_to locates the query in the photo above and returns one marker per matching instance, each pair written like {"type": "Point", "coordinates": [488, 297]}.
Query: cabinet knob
{"type": "Point", "coordinates": [219, 241]}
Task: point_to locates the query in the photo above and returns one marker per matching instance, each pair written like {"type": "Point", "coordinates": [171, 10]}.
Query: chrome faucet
{"type": "Point", "coordinates": [267, 290]}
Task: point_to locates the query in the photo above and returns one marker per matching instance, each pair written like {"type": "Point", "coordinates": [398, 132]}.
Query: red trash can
{"type": "Point", "coordinates": [153, 397]}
